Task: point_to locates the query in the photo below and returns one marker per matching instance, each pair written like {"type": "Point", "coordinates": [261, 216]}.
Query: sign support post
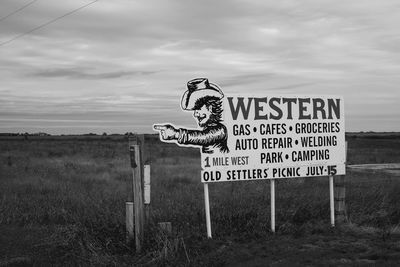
{"type": "Point", "coordinates": [340, 197]}
{"type": "Point", "coordinates": [207, 208]}
{"type": "Point", "coordinates": [331, 200]}
{"type": "Point", "coordinates": [273, 205]}
{"type": "Point", "coordinates": [146, 189]}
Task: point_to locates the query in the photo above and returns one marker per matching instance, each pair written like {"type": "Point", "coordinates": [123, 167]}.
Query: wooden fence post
{"type": "Point", "coordinates": [340, 197]}
{"type": "Point", "coordinates": [130, 226]}
{"type": "Point", "coordinates": [135, 150]}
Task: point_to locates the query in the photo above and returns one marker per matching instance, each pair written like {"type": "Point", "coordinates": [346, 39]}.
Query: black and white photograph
{"type": "Point", "coordinates": [199, 133]}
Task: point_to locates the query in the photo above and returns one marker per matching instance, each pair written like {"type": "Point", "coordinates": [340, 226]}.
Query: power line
{"type": "Point", "coordinates": [47, 23]}
{"type": "Point", "coordinates": [18, 10]}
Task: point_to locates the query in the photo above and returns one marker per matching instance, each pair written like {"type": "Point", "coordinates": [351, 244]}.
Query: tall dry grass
{"type": "Point", "coordinates": [73, 193]}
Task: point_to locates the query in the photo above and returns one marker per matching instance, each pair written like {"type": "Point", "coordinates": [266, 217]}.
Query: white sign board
{"type": "Point", "coordinates": [249, 137]}
{"type": "Point", "coordinates": [273, 136]}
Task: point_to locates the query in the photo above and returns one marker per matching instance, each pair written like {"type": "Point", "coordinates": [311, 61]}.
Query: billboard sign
{"type": "Point", "coordinates": [251, 137]}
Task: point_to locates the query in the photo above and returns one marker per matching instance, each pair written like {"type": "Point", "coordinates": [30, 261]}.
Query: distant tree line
{"type": "Point", "coordinates": [46, 134]}
{"type": "Point", "coordinates": [25, 134]}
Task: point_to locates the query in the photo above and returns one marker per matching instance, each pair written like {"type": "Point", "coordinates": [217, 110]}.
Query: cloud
{"type": "Point", "coordinates": [77, 73]}
{"type": "Point", "coordinates": [135, 57]}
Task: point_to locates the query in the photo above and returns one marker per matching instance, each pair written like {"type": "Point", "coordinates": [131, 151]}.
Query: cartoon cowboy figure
{"type": "Point", "coordinates": [205, 100]}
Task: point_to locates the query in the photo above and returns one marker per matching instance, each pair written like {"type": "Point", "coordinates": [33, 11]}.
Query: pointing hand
{"type": "Point", "coordinates": [167, 131]}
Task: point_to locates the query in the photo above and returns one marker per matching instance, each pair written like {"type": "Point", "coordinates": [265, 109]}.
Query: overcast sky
{"type": "Point", "coordinates": [122, 65]}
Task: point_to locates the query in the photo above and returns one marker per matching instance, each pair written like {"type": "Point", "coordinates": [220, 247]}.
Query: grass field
{"type": "Point", "coordinates": [62, 202]}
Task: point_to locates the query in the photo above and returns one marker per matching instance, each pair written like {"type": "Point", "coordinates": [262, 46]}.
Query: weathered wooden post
{"type": "Point", "coordinates": [135, 150]}
{"type": "Point", "coordinates": [340, 197]}
{"type": "Point", "coordinates": [130, 226]}
{"type": "Point", "coordinates": [129, 209]}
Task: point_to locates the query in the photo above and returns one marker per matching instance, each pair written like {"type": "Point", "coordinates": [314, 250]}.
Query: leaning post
{"type": "Point", "coordinates": [135, 151]}
{"type": "Point", "coordinates": [130, 225]}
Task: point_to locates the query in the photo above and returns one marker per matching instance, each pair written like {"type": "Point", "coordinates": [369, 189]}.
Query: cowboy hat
{"type": "Point", "coordinates": [197, 89]}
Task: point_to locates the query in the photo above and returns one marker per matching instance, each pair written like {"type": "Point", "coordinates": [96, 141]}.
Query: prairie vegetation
{"type": "Point", "coordinates": [62, 202]}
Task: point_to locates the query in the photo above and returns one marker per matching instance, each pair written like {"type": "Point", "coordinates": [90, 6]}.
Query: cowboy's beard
{"type": "Point", "coordinates": [203, 121]}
